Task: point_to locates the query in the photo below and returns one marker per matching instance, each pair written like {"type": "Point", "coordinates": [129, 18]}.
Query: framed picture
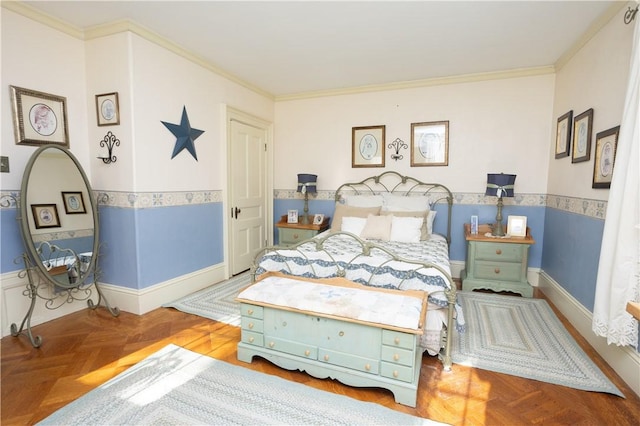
{"type": "Point", "coordinates": [292, 216]}
{"type": "Point", "coordinates": [606, 144]}
{"type": "Point", "coordinates": [563, 135]}
{"type": "Point", "coordinates": [39, 118]}
{"type": "Point", "coordinates": [582, 125]}
{"type": "Point", "coordinates": [367, 146]}
{"type": "Point", "coordinates": [108, 109]}
{"type": "Point", "coordinates": [45, 216]}
{"type": "Point", "coordinates": [73, 202]}
{"type": "Point", "coordinates": [474, 224]}
{"type": "Point", "coordinates": [318, 219]}
{"type": "Point", "coordinates": [517, 226]}
{"type": "Point", "coordinates": [430, 144]}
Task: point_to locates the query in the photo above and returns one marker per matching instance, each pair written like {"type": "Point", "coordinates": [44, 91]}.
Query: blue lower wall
{"type": "Point", "coordinates": [461, 214]}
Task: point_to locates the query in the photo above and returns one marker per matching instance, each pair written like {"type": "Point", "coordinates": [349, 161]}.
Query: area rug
{"type": "Point", "coordinates": [523, 337]}
{"type": "Point", "coordinates": [215, 302]}
{"type": "Point", "coordinates": [177, 386]}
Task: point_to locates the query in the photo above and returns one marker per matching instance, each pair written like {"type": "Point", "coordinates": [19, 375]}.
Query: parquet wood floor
{"type": "Point", "coordinates": [83, 350]}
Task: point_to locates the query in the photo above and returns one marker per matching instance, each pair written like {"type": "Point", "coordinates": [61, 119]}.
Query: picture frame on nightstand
{"type": "Point", "coordinates": [318, 218]}
{"type": "Point", "coordinates": [474, 225]}
{"type": "Point", "coordinates": [517, 226]}
{"type": "Point", "coordinates": [292, 216]}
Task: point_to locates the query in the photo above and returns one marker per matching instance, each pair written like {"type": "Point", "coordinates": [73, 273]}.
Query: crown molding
{"type": "Point", "coordinates": [29, 12]}
{"type": "Point", "coordinates": [440, 81]}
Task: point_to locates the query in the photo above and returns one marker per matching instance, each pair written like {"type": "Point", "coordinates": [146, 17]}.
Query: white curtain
{"type": "Point", "coordinates": [619, 269]}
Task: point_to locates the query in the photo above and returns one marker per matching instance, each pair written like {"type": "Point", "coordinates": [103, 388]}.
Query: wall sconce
{"type": "Point", "coordinates": [499, 185]}
{"type": "Point", "coordinates": [109, 141]}
{"type": "Point", "coordinates": [396, 145]}
{"type": "Point", "coordinates": [306, 185]}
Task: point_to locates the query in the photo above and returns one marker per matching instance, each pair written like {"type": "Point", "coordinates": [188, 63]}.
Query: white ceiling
{"type": "Point", "coordinates": [287, 48]}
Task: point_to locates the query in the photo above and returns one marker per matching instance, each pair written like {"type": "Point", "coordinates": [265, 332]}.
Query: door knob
{"type": "Point", "coordinates": [235, 212]}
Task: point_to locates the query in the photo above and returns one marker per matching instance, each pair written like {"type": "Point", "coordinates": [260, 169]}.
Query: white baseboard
{"type": "Point", "coordinates": [623, 359]}
{"type": "Point", "coordinates": [14, 304]}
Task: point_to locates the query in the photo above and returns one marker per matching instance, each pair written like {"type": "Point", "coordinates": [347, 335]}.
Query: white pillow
{"type": "Point", "coordinates": [404, 203]}
{"type": "Point", "coordinates": [363, 200]}
{"type": "Point", "coordinates": [377, 228]}
{"type": "Point", "coordinates": [406, 229]}
{"type": "Point", "coordinates": [355, 225]}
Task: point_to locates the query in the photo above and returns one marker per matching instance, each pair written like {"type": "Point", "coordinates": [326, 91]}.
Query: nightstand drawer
{"type": "Point", "coordinates": [294, 236]}
{"type": "Point", "coordinates": [503, 252]}
{"type": "Point", "coordinates": [498, 271]}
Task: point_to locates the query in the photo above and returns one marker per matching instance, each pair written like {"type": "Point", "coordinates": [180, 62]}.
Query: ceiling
{"type": "Point", "coordinates": [297, 47]}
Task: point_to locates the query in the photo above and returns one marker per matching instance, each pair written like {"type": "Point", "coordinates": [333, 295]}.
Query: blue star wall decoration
{"type": "Point", "coordinates": [185, 135]}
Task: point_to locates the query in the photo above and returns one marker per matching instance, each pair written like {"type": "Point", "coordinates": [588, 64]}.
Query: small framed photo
{"type": "Point", "coordinates": [474, 225]}
{"type": "Point", "coordinates": [39, 118]}
{"type": "Point", "coordinates": [292, 216]}
{"type": "Point", "coordinates": [563, 135]}
{"type": "Point", "coordinates": [367, 146]}
{"type": "Point", "coordinates": [108, 109]}
{"type": "Point", "coordinates": [517, 226]}
{"type": "Point", "coordinates": [73, 202]}
{"type": "Point", "coordinates": [430, 144]}
{"type": "Point", "coordinates": [582, 126]}
{"type": "Point", "coordinates": [606, 145]}
{"type": "Point", "coordinates": [318, 218]}
{"type": "Point", "coordinates": [45, 216]}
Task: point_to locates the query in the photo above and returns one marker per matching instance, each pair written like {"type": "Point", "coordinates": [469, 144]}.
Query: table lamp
{"type": "Point", "coordinates": [306, 185]}
{"type": "Point", "coordinates": [499, 185]}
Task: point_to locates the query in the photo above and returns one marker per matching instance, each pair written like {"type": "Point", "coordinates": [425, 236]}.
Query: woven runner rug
{"type": "Point", "coordinates": [523, 337]}
{"type": "Point", "coordinates": [215, 302]}
{"type": "Point", "coordinates": [179, 387]}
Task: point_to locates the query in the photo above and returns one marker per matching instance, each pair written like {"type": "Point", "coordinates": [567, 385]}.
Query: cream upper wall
{"type": "Point", "coordinates": [494, 126]}
{"type": "Point", "coordinates": [39, 58]}
{"type": "Point", "coordinates": [595, 77]}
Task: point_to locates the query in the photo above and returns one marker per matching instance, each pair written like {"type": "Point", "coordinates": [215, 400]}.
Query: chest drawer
{"type": "Point", "coordinates": [252, 338]}
{"type": "Point", "coordinates": [354, 362]}
{"type": "Point", "coordinates": [290, 347]}
{"type": "Point", "coordinates": [502, 252]}
{"type": "Point", "coordinates": [398, 339]}
{"type": "Point", "coordinates": [397, 355]}
{"type": "Point", "coordinates": [252, 311]}
{"type": "Point", "coordinates": [501, 271]}
{"type": "Point", "coordinates": [397, 372]}
{"type": "Point", "coordinates": [252, 324]}
{"type": "Point", "coordinates": [294, 236]}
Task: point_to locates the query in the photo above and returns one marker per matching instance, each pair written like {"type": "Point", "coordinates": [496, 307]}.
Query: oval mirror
{"type": "Point", "coordinates": [59, 218]}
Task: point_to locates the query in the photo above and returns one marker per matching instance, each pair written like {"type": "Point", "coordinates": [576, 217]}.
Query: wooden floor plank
{"type": "Point", "coordinates": [84, 349]}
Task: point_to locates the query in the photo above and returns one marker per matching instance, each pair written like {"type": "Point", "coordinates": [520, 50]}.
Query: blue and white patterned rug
{"type": "Point", "coordinates": [179, 387]}
{"type": "Point", "coordinates": [215, 302]}
{"type": "Point", "coordinates": [523, 337]}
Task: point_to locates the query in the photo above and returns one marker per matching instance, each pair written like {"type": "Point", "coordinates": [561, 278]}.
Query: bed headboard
{"type": "Point", "coordinates": [394, 182]}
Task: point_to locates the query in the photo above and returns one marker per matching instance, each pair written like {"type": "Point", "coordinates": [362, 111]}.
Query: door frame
{"type": "Point", "coordinates": [233, 114]}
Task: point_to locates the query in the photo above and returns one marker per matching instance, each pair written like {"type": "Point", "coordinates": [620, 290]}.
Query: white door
{"type": "Point", "coordinates": [247, 189]}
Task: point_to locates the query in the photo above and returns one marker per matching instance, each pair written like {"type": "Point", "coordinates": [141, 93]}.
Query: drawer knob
{"type": "Point", "coordinates": [367, 367]}
{"type": "Point", "coordinates": [250, 311]}
{"type": "Point", "coordinates": [251, 339]}
{"type": "Point", "coordinates": [295, 236]}
{"type": "Point", "coordinates": [395, 373]}
{"type": "Point", "coordinates": [271, 344]}
{"type": "Point", "coordinates": [326, 357]}
{"type": "Point", "coordinates": [497, 270]}
{"type": "Point", "coordinates": [498, 251]}
{"type": "Point", "coordinates": [307, 352]}
{"type": "Point", "coordinates": [396, 357]}
{"type": "Point", "coordinates": [250, 325]}
{"type": "Point", "coordinates": [396, 340]}
{"type": "Point", "coordinates": [341, 334]}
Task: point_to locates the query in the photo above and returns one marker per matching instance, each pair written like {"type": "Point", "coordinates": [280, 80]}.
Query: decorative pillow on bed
{"type": "Point", "coordinates": [394, 202]}
{"type": "Point", "coordinates": [430, 218]}
{"type": "Point", "coordinates": [424, 215]}
{"type": "Point", "coordinates": [355, 225]}
{"type": "Point", "coordinates": [363, 200]}
{"type": "Point", "coordinates": [344, 211]}
{"type": "Point", "coordinates": [406, 229]}
{"type": "Point", "coordinates": [377, 228]}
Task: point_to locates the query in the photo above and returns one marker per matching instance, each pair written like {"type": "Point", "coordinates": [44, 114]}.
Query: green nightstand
{"type": "Point", "coordinates": [495, 263]}
{"type": "Point", "coordinates": [293, 233]}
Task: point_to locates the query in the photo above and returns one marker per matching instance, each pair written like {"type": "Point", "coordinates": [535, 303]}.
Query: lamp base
{"type": "Point", "coordinates": [498, 229]}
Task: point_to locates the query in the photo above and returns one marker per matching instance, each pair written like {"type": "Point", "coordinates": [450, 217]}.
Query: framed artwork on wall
{"type": "Point", "coordinates": [73, 202]}
{"type": "Point", "coordinates": [582, 126]}
{"type": "Point", "coordinates": [367, 146]}
{"type": "Point", "coordinates": [563, 134]}
{"type": "Point", "coordinates": [430, 144]}
{"type": "Point", "coordinates": [606, 144]}
{"type": "Point", "coordinates": [39, 118]}
{"type": "Point", "coordinates": [45, 216]}
{"type": "Point", "coordinates": [108, 109]}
